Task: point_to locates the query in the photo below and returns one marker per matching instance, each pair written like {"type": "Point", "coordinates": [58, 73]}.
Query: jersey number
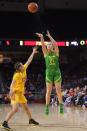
{"type": "Point", "coordinates": [52, 62]}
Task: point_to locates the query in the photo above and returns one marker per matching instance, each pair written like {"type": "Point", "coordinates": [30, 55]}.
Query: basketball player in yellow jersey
{"type": "Point", "coordinates": [17, 92]}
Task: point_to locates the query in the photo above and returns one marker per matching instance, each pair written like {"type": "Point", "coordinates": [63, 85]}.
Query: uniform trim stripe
{"type": "Point", "coordinates": [57, 79]}
{"type": "Point", "coordinates": [48, 79]}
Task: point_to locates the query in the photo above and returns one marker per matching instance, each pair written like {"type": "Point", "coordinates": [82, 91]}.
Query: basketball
{"type": "Point", "coordinates": [32, 7]}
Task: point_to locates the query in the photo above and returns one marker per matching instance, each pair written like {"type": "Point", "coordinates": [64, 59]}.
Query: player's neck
{"type": "Point", "coordinates": [20, 71]}
{"type": "Point", "coordinates": [50, 51]}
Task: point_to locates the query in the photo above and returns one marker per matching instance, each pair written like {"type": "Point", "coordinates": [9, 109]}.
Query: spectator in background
{"type": "Point", "coordinates": [1, 98]}
{"type": "Point", "coordinates": [32, 87]}
{"type": "Point", "coordinates": [77, 89]}
{"type": "Point", "coordinates": [71, 92]}
{"type": "Point", "coordinates": [7, 99]}
{"type": "Point", "coordinates": [69, 98]}
{"type": "Point", "coordinates": [65, 94]}
{"type": "Point", "coordinates": [29, 96]}
{"type": "Point", "coordinates": [74, 96]}
{"type": "Point", "coordinates": [54, 100]}
{"type": "Point", "coordinates": [85, 96]}
{"type": "Point", "coordinates": [79, 100]}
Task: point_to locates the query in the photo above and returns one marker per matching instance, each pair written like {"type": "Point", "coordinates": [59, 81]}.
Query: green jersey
{"type": "Point", "coordinates": [52, 67]}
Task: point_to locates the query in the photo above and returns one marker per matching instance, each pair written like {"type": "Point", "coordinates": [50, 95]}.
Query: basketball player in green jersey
{"type": "Point", "coordinates": [53, 73]}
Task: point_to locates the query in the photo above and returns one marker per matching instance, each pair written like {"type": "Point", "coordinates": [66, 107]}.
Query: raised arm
{"type": "Point", "coordinates": [31, 56]}
{"type": "Point", "coordinates": [42, 42]}
{"type": "Point", "coordinates": [56, 49]}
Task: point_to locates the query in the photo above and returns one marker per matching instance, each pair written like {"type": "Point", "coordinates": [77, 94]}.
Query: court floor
{"type": "Point", "coordinates": [72, 120]}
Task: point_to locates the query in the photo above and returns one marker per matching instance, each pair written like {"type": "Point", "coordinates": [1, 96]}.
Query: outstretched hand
{"type": "Point", "coordinates": [35, 50]}
{"type": "Point", "coordinates": [48, 33]}
{"type": "Point", "coordinates": [39, 35]}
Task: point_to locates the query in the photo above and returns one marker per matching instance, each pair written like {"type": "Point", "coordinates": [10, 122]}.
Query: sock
{"type": "Point", "coordinates": [47, 109]}
{"type": "Point", "coordinates": [47, 106]}
{"type": "Point", "coordinates": [61, 105]}
{"type": "Point", "coordinates": [61, 108]}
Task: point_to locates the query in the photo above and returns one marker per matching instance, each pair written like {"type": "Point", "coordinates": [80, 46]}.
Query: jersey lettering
{"type": "Point", "coordinates": [52, 61]}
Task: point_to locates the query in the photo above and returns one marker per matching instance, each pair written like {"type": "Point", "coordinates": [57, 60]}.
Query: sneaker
{"type": "Point", "coordinates": [33, 122]}
{"type": "Point", "coordinates": [5, 126]}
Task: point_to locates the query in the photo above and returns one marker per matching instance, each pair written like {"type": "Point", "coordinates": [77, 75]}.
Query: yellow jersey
{"type": "Point", "coordinates": [20, 80]}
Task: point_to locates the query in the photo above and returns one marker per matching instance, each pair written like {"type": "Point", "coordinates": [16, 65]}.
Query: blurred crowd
{"type": "Point", "coordinates": [72, 97]}
{"type": "Point", "coordinates": [74, 83]}
{"type": "Point", "coordinates": [75, 97]}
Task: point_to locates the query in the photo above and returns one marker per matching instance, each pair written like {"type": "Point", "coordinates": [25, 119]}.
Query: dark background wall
{"type": "Point", "coordinates": [66, 19]}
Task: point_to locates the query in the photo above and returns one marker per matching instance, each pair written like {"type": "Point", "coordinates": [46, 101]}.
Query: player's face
{"type": "Point", "coordinates": [49, 46]}
{"type": "Point", "coordinates": [21, 68]}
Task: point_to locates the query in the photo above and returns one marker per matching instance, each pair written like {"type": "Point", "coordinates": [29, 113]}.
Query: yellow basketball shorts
{"type": "Point", "coordinates": [16, 98]}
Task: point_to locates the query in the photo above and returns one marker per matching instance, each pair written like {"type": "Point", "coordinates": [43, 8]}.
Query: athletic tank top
{"type": "Point", "coordinates": [52, 62]}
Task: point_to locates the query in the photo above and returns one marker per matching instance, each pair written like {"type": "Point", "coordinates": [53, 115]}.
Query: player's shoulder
{"type": "Point", "coordinates": [25, 66]}
{"type": "Point", "coordinates": [16, 74]}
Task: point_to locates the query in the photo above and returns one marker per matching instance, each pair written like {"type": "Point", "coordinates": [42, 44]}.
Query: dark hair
{"type": "Point", "coordinates": [17, 65]}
